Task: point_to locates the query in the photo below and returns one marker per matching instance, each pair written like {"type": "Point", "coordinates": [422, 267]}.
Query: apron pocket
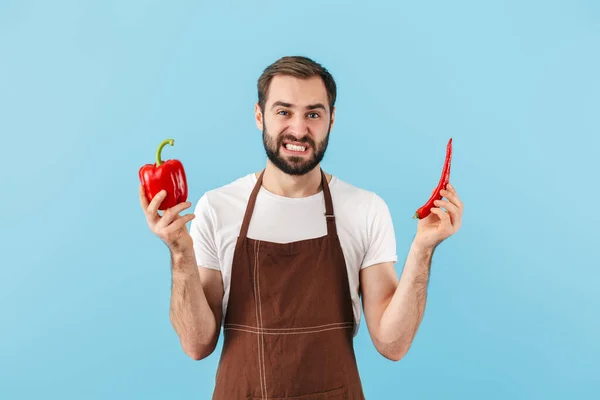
{"type": "Point", "coordinates": [334, 394]}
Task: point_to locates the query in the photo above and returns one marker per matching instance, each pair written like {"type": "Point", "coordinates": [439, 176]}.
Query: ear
{"type": "Point", "coordinates": [258, 117]}
{"type": "Point", "coordinates": [332, 118]}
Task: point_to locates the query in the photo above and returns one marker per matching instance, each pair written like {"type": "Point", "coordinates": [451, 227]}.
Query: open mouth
{"type": "Point", "coordinates": [295, 148]}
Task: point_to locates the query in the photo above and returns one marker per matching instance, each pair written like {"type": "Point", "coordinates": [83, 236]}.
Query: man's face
{"type": "Point", "coordinates": [296, 123]}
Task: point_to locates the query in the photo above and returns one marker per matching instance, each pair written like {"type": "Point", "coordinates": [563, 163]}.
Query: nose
{"type": "Point", "coordinates": [298, 127]}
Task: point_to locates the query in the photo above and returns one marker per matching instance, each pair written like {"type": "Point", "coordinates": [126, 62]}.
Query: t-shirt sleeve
{"type": "Point", "coordinates": [380, 235]}
{"type": "Point", "coordinates": [202, 231]}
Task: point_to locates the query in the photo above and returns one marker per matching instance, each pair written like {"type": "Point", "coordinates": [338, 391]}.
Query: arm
{"type": "Point", "coordinates": [196, 293]}
{"type": "Point", "coordinates": [196, 298]}
{"type": "Point", "coordinates": [394, 310]}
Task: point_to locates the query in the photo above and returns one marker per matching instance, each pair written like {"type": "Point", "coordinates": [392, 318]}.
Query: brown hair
{"type": "Point", "coordinates": [299, 67]}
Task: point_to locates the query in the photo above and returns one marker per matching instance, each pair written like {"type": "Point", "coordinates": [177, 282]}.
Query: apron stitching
{"type": "Point", "coordinates": [292, 329]}
{"type": "Point", "coordinates": [262, 338]}
{"type": "Point", "coordinates": [288, 333]}
{"type": "Point", "coordinates": [257, 322]}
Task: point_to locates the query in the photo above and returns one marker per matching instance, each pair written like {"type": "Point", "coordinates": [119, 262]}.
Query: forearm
{"type": "Point", "coordinates": [190, 312]}
{"type": "Point", "coordinates": [402, 316]}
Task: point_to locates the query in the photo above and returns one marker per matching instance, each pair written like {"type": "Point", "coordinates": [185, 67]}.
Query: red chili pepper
{"type": "Point", "coordinates": [425, 210]}
{"type": "Point", "coordinates": [164, 175]}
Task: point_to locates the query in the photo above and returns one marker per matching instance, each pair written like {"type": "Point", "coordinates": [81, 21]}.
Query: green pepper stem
{"type": "Point", "coordinates": [159, 151]}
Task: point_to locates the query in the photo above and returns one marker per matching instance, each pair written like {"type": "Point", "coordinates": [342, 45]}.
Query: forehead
{"type": "Point", "coordinates": [297, 91]}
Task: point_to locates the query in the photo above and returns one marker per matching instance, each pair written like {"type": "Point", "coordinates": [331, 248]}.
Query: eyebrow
{"type": "Point", "coordinates": [308, 107]}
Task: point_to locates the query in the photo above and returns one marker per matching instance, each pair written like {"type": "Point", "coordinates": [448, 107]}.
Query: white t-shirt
{"type": "Point", "coordinates": [363, 221]}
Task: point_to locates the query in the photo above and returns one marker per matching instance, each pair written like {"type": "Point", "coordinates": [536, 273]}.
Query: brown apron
{"type": "Point", "coordinates": [288, 330]}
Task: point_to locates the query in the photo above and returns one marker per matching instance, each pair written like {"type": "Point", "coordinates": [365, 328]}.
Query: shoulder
{"type": "Point", "coordinates": [358, 199]}
{"type": "Point", "coordinates": [232, 193]}
{"type": "Point", "coordinates": [363, 213]}
{"type": "Point", "coordinates": [365, 225]}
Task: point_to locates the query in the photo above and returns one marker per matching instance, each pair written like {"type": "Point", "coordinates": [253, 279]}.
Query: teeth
{"type": "Point", "coordinates": [293, 147]}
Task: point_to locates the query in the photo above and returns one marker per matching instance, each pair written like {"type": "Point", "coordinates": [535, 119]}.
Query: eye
{"type": "Point", "coordinates": [316, 115]}
{"type": "Point", "coordinates": [282, 111]}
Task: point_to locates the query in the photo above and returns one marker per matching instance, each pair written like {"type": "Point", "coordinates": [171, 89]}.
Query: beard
{"type": "Point", "coordinates": [294, 165]}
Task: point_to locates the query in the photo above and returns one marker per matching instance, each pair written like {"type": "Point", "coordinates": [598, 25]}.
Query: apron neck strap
{"type": "Point", "coordinates": [329, 215]}
{"type": "Point", "coordinates": [331, 229]}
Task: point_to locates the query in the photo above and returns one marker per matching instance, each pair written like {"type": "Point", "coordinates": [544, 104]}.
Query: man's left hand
{"type": "Point", "coordinates": [440, 224]}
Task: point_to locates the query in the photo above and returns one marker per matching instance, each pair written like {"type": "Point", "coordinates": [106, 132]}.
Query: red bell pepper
{"type": "Point", "coordinates": [164, 175]}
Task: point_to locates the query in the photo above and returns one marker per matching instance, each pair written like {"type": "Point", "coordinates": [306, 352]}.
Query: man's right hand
{"type": "Point", "coordinates": [170, 227]}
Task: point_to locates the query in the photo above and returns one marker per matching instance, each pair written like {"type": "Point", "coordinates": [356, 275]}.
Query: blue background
{"type": "Point", "coordinates": [89, 89]}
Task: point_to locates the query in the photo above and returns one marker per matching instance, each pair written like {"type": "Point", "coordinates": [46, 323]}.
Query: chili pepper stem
{"type": "Point", "coordinates": [416, 216]}
{"type": "Point", "coordinates": [159, 151]}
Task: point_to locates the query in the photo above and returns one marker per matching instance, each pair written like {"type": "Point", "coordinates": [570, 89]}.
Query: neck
{"type": "Point", "coordinates": [282, 184]}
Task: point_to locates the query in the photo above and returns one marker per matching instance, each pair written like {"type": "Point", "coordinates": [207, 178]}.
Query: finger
{"type": "Point", "coordinates": [143, 198]}
{"type": "Point", "coordinates": [179, 223]}
{"type": "Point", "coordinates": [453, 197]}
{"type": "Point", "coordinates": [452, 190]}
{"type": "Point", "coordinates": [444, 216]}
{"type": "Point", "coordinates": [155, 203]}
{"type": "Point", "coordinates": [452, 209]}
{"type": "Point", "coordinates": [151, 218]}
{"type": "Point", "coordinates": [173, 212]}
{"type": "Point", "coordinates": [447, 205]}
